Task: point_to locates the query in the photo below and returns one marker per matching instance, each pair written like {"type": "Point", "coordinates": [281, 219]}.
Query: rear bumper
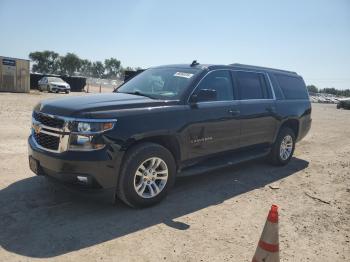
{"type": "Point", "coordinates": [304, 128]}
{"type": "Point", "coordinates": [100, 168]}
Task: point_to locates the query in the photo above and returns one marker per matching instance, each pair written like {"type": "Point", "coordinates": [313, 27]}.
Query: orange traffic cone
{"type": "Point", "coordinates": [268, 248]}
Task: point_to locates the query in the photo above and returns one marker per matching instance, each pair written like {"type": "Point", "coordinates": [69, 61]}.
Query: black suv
{"type": "Point", "coordinates": [168, 121]}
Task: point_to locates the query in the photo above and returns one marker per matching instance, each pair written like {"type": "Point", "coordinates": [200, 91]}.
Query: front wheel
{"type": "Point", "coordinates": [283, 148]}
{"type": "Point", "coordinates": [147, 174]}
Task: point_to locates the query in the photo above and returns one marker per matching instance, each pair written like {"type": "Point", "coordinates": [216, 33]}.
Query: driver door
{"type": "Point", "coordinates": [214, 126]}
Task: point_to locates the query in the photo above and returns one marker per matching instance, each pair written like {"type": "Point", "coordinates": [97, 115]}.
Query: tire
{"type": "Point", "coordinates": [67, 92]}
{"type": "Point", "coordinates": [277, 157]}
{"type": "Point", "coordinates": [137, 168]}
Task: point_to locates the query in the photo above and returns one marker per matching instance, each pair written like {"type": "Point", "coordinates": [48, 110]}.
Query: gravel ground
{"type": "Point", "coordinates": [215, 216]}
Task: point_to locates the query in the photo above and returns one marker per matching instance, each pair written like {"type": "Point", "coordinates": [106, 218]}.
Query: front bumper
{"type": "Point", "coordinates": [55, 89]}
{"type": "Point", "coordinates": [100, 167]}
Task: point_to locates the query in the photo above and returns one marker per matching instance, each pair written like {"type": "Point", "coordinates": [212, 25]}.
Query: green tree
{"type": "Point", "coordinates": [70, 63]}
{"type": "Point", "coordinates": [112, 67]}
{"type": "Point", "coordinates": [46, 62]}
{"type": "Point", "coordinates": [85, 67]}
{"type": "Point", "coordinates": [97, 69]}
{"type": "Point", "coordinates": [312, 88]}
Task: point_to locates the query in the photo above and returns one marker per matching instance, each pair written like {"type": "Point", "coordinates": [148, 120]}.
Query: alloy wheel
{"type": "Point", "coordinates": [286, 147]}
{"type": "Point", "coordinates": [151, 177]}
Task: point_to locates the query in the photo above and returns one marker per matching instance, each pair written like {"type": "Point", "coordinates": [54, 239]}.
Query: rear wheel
{"type": "Point", "coordinates": [283, 149]}
{"type": "Point", "coordinates": [147, 174]}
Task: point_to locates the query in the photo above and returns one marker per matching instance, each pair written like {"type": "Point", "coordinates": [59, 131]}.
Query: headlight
{"type": "Point", "coordinates": [86, 136]}
{"type": "Point", "coordinates": [90, 127]}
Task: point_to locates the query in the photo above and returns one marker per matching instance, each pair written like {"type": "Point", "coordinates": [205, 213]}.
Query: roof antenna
{"type": "Point", "coordinates": [194, 63]}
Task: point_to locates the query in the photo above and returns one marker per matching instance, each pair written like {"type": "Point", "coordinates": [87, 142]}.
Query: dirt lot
{"type": "Point", "coordinates": [212, 217]}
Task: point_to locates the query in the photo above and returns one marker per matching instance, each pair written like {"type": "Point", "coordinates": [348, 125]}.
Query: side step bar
{"type": "Point", "coordinates": [224, 161]}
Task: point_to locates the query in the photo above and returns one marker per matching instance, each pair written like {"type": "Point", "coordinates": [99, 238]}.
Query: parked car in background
{"type": "Point", "coordinates": [53, 84]}
{"type": "Point", "coordinates": [343, 103]}
{"type": "Point", "coordinates": [324, 98]}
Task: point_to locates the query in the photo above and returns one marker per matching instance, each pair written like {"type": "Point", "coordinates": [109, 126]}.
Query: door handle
{"type": "Point", "coordinates": [234, 112]}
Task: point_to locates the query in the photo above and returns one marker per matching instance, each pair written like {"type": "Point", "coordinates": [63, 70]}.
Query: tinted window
{"type": "Point", "coordinates": [252, 85]}
{"type": "Point", "coordinates": [292, 87]}
{"type": "Point", "coordinates": [276, 88]}
{"type": "Point", "coordinates": [221, 82]}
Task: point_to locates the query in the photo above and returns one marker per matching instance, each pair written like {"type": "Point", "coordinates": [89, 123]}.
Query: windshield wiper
{"type": "Point", "coordinates": [138, 93]}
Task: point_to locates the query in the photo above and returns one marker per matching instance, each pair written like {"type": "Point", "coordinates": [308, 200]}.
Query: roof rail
{"type": "Point", "coordinates": [261, 67]}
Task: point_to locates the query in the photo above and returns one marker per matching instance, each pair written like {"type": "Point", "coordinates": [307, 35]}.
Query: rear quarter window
{"type": "Point", "coordinates": [292, 87]}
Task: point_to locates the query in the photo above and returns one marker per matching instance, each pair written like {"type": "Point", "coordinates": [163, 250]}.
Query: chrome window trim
{"type": "Point", "coordinates": [64, 132]}
{"type": "Point", "coordinates": [243, 100]}
{"type": "Point", "coordinates": [220, 101]}
{"type": "Point", "coordinates": [271, 86]}
{"type": "Point", "coordinates": [260, 99]}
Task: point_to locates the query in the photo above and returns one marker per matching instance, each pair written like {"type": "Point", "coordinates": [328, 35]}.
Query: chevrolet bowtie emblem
{"type": "Point", "coordinates": [36, 128]}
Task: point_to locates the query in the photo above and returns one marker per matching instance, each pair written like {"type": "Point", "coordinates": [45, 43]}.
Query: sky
{"type": "Point", "coordinates": [310, 37]}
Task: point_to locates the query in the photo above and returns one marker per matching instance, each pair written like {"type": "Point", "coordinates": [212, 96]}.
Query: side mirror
{"type": "Point", "coordinates": [204, 95]}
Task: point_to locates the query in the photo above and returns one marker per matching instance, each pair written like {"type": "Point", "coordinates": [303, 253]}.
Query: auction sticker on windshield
{"type": "Point", "coordinates": [182, 74]}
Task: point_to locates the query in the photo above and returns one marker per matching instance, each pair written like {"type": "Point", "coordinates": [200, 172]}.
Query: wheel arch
{"type": "Point", "coordinates": [170, 142]}
{"type": "Point", "coordinates": [291, 123]}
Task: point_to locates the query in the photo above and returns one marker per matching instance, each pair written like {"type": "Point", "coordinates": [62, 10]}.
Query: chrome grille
{"type": "Point", "coordinates": [48, 120]}
{"type": "Point", "coordinates": [47, 141]}
{"type": "Point", "coordinates": [50, 132]}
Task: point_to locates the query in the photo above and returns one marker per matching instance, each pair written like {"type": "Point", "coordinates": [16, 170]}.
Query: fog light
{"type": "Point", "coordinates": [84, 143]}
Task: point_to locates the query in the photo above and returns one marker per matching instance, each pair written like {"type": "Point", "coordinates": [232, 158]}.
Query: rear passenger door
{"type": "Point", "coordinates": [257, 108]}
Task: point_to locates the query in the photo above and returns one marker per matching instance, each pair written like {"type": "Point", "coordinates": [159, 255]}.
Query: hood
{"type": "Point", "coordinates": [79, 106]}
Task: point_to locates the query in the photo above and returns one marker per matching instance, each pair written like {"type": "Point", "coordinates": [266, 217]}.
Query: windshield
{"type": "Point", "coordinates": [55, 79]}
{"type": "Point", "coordinates": [160, 83]}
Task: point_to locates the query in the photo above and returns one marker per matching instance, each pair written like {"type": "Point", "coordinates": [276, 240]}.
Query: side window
{"type": "Point", "coordinates": [252, 86]}
{"type": "Point", "coordinates": [292, 87]}
{"type": "Point", "coordinates": [221, 82]}
{"type": "Point", "coordinates": [276, 88]}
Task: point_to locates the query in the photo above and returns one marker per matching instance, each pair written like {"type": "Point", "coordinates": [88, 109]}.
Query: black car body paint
{"type": "Point", "coordinates": [191, 131]}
